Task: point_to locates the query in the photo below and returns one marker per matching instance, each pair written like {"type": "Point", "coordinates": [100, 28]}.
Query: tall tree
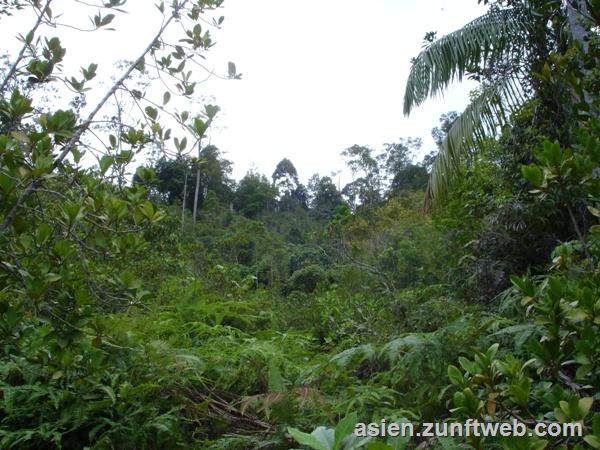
{"type": "Point", "coordinates": [199, 129]}
{"type": "Point", "coordinates": [215, 175]}
{"type": "Point", "coordinates": [171, 176]}
{"type": "Point", "coordinates": [291, 193]}
{"type": "Point", "coordinates": [325, 196]}
{"type": "Point", "coordinates": [285, 175]}
{"type": "Point", "coordinates": [367, 184]}
{"type": "Point", "coordinates": [402, 173]}
{"type": "Point", "coordinates": [254, 195]}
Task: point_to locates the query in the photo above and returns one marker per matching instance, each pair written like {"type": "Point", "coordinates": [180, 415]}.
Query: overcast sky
{"type": "Point", "coordinates": [322, 75]}
{"type": "Point", "coordinates": [318, 75]}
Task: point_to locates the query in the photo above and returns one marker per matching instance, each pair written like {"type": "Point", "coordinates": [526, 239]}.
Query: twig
{"type": "Point", "coordinates": [13, 68]}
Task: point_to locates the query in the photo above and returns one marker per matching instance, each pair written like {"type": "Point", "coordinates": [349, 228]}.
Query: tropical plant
{"type": "Point", "coordinates": [495, 49]}
{"type": "Point", "coordinates": [339, 438]}
{"type": "Point", "coordinates": [487, 43]}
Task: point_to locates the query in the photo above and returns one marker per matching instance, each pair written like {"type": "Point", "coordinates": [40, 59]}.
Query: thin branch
{"type": "Point", "coordinates": [21, 55]}
{"type": "Point", "coordinates": [101, 6]}
{"type": "Point", "coordinates": [36, 182]}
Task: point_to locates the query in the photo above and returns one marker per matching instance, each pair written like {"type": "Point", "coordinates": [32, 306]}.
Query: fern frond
{"type": "Point", "coordinates": [365, 352]}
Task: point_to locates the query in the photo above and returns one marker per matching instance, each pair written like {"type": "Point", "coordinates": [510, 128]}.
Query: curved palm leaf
{"type": "Point", "coordinates": [488, 111]}
{"type": "Point", "coordinates": [486, 39]}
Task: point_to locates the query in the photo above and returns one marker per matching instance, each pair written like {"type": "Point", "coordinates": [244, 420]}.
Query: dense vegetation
{"type": "Point", "coordinates": [177, 308]}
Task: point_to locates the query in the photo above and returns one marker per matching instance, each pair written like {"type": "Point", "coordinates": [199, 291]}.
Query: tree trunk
{"type": "Point", "coordinates": [577, 15]}
{"type": "Point", "coordinates": [183, 201]}
{"type": "Point", "coordinates": [196, 193]}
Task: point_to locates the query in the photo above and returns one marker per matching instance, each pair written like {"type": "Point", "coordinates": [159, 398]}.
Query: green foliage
{"type": "Point", "coordinates": [493, 38]}
{"type": "Point", "coordinates": [254, 195]}
{"type": "Point", "coordinates": [339, 438]}
{"type": "Point", "coordinates": [291, 193]}
{"type": "Point", "coordinates": [124, 325]}
{"type": "Point", "coordinates": [325, 196]}
{"type": "Point", "coordinates": [306, 279]}
{"type": "Point", "coordinates": [554, 374]}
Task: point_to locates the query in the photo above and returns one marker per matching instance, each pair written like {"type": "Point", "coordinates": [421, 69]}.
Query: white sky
{"type": "Point", "coordinates": [318, 75]}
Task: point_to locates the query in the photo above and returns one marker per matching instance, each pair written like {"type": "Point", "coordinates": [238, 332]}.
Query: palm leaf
{"type": "Point", "coordinates": [482, 118]}
{"type": "Point", "coordinates": [487, 42]}
{"type": "Point", "coordinates": [489, 38]}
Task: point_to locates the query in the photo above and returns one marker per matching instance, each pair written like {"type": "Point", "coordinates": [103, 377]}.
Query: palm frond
{"type": "Point", "coordinates": [486, 39]}
{"type": "Point", "coordinates": [481, 119]}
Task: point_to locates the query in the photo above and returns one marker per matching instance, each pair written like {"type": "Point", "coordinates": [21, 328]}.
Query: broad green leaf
{"type": "Point", "coordinates": [200, 126]}
{"type": "Point", "coordinates": [491, 352]}
{"type": "Point", "coordinates": [533, 174]}
{"type": "Point", "coordinates": [73, 211]}
{"type": "Point", "coordinates": [42, 233]}
{"type": "Point", "coordinates": [344, 428]}
{"type": "Point", "coordinates": [151, 112]}
{"type": "Point", "coordinates": [456, 376]}
{"type": "Point", "coordinates": [211, 111]}
{"type": "Point", "coordinates": [596, 424]}
{"type": "Point", "coordinates": [309, 440]}
{"type": "Point", "coordinates": [145, 173]}
{"type": "Point", "coordinates": [594, 211]}
{"type": "Point", "coordinates": [469, 366]}
{"type": "Point", "coordinates": [105, 162]}
{"type": "Point", "coordinates": [6, 182]}
{"type": "Point", "coordinates": [585, 404]}
{"type": "Point", "coordinates": [592, 441]}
